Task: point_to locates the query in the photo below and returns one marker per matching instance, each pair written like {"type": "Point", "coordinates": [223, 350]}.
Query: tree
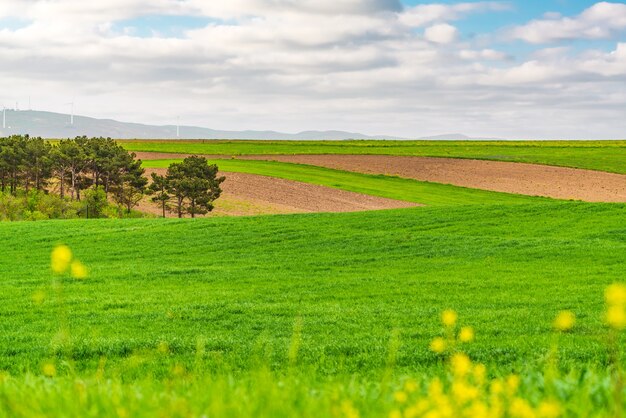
{"type": "Point", "coordinates": [158, 188]}
{"type": "Point", "coordinates": [37, 163]}
{"type": "Point", "coordinates": [195, 185]}
{"type": "Point", "coordinates": [73, 155]}
{"type": "Point", "coordinates": [94, 202]}
{"type": "Point", "coordinates": [130, 184]}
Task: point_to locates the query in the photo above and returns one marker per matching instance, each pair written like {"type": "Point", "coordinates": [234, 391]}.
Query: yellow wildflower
{"type": "Point", "coordinates": [395, 414]}
{"type": "Point", "coordinates": [463, 392]}
{"type": "Point", "coordinates": [466, 334]}
{"type": "Point", "coordinates": [449, 317]}
{"type": "Point", "coordinates": [78, 270]}
{"type": "Point", "coordinates": [521, 408]}
{"type": "Point", "coordinates": [400, 397]}
{"type": "Point", "coordinates": [496, 387]}
{"type": "Point", "coordinates": [512, 383]}
{"type": "Point", "coordinates": [49, 370]}
{"type": "Point", "coordinates": [549, 409]}
{"type": "Point", "coordinates": [60, 259]}
{"type": "Point", "coordinates": [615, 295]}
{"type": "Point", "coordinates": [616, 317]}
{"type": "Point", "coordinates": [438, 345]}
{"type": "Point", "coordinates": [564, 321]}
{"type": "Point", "coordinates": [461, 364]}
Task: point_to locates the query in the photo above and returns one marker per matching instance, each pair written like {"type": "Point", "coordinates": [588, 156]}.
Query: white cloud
{"type": "Point", "coordinates": [601, 21]}
{"type": "Point", "coordinates": [442, 33]}
{"type": "Point", "coordinates": [358, 65]}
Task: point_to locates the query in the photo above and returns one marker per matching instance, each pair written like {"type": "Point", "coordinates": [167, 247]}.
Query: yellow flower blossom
{"type": "Point", "coordinates": [615, 295]}
{"type": "Point", "coordinates": [464, 392]}
{"type": "Point", "coordinates": [616, 317]}
{"type": "Point", "coordinates": [449, 317]}
{"type": "Point", "coordinates": [496, 387]}
{"type": "Point", "coordinates": [78, 270]}
{"type": "Point", "coordinates": [520, 408]}
{"type": "Point", "coordinates": [60, 259]}
{"type": "Point", "coordinates": [564, 321]}
{"type": "Point", "coordinates": [466, 334]}
{"type": "Point", "coordinates": [512, 383]}
{"type": "Point", "coordinates": [549, 409]}
{"type": "Point", "coordinates": [461, 364]}
{"type": "Point", "coordinates": [438, 345]}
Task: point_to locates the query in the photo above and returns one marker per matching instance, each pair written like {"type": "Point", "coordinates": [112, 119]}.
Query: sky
{"type": "Point", "coordinates": [502, 69]}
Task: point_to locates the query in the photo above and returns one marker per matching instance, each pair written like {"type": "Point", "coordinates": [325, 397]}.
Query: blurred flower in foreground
{"type": "Point", "coordinates": [615, 297]}
{"type": "Point", "coordinates": [564, 321]}
{"type": "Point", "coordinates": [60, 259]}
{"type": "Point", "coordinates": [449, 317]}
{"type": "Point", "coordinates": [78, 270]}
{"type": "Point", "coordinates": [438, 345]}
{"type": "Point", "coordinates": [466, 335]}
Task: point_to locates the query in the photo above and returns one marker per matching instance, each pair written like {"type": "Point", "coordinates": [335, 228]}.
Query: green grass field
{"type": "Point", "coordinates": [352, 278]}
{"type": "Point", "coordinates": [168, 299]}
{"type": "Point", "coordinates": [431, 194]}
{"type": "Point", "coordinates": [596, 155]}
{"type": "Point", "coordinates": [321, 315]}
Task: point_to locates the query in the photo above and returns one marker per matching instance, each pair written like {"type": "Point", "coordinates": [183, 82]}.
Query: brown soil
{"type": "Point", "coordinates": [249, 194]}
{"type": "Point", "coordinates": [521, 178]}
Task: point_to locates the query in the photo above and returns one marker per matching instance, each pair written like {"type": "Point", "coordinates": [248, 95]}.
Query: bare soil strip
{"type": "Point", "coordinates": [520, 178]}
{"type": "Point", "coordinates": [250, 194]}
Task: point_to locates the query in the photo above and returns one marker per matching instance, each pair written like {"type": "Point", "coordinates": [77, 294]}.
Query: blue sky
{"type": "Point", "coordinates": [511, 69]}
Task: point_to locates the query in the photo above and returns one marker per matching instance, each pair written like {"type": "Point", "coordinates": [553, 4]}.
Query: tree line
{"type": "Point", "coordinates": [100, 170]}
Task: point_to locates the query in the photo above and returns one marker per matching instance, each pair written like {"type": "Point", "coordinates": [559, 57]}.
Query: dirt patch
{"type": "Point", "coordinates": [528, 179]}
{"type": "Point", "coordinates": [250, 194]}
{"type": "Point", "coordinates": [520, 178]}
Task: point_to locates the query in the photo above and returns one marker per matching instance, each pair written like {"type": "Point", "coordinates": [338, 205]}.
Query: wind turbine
{"type": "Point", "coordinates": [72, 112]}
{"type": "Point", "coordinates": [4, 117]}
{"type": "Point", "coordinates": [178, 127]}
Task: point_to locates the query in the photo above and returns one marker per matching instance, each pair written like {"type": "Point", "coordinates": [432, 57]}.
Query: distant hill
{"type": "Point", "coordinates": [57, 125]}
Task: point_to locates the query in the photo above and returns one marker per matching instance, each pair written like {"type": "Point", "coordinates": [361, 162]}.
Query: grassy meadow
{"type": "Point", "coordinates": [317, 315]}
{"type": "Point", "coordinates": [594, 155]}
{"type": "Point", "coordinates": [340, 307]}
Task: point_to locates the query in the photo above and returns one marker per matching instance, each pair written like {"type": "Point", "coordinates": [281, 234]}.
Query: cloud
{"type": "Point", "coordinates": [601, 21]}
{"type": "Point", "coordinates": [426, 14]}
{"type": "Point", "coordinates": [442, 33]}
{"type": "Point", "coordinates": [358, 65]}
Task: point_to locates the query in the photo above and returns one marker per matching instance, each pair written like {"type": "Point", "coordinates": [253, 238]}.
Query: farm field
{"type": "Point", "coordinates": [594, 155]}
{"type": "Point", "coordinates": [504, 177]}
{"type": "Point", "coordinates": [432, 194]}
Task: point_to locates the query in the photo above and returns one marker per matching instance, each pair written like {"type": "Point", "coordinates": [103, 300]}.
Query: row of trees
{"type": "Point", "coordinates": [101, 170]}
{"type": "Point", "coordinates": [70, 167]}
